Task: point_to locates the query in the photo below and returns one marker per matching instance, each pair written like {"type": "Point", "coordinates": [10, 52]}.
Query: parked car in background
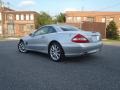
{"type": "Point", "coordinates": [61, 40]}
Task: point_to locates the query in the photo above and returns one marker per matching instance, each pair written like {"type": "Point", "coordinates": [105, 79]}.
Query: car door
{"type": "Point", "coordinates": [38, 39]}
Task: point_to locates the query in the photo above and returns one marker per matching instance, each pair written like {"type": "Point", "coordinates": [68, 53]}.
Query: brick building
{"type": "Point", "coordinates": [16, 23]}
{"type": "Point", "coordinates": [79, 17]}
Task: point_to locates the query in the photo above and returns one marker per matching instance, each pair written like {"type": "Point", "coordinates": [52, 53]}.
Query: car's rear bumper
{"type": "Point", "coordinates": [82, 48]}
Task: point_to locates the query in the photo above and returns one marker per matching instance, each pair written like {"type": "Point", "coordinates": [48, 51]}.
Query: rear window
{"type": "Point", "coordinates": [69, 28]}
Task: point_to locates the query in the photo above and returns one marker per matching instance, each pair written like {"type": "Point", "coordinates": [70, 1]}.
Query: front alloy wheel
{"type": "Point", "coordinates": [56, 52]}
{"type": "Point", "coordinates": [21, 47]}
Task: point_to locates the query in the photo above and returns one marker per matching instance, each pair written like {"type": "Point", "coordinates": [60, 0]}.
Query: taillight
{"type": "Point", "coordinates": [79, 39]}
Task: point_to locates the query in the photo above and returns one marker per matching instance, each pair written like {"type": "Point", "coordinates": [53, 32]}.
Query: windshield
{"type": "Point", "coordinates": [69, 28]}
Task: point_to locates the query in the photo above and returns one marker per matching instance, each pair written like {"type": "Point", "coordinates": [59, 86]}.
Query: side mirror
{"type": "Point", "coordinates": [31, 34]}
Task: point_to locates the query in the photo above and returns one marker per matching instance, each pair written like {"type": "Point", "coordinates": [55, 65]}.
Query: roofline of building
{"type": "Point", "coordinates": [9, 10]}
{"type": "Point", "coordinates": [6, 9]}
{"type": "Point", "coordinates": [93, 11]}
{"type": "Point", "coordinates": [20, 11]}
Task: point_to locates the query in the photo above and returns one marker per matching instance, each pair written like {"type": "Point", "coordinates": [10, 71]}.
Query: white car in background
{"type": "Point", "coordinates": [61, 40]}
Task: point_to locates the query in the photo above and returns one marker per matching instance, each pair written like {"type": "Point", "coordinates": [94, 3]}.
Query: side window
{"type": "Point", "coordinates": [45, 30]}
{"type": "Point", "coordinates": [51, 30]}
{"type": "Point", "coordinates": [41, 31]}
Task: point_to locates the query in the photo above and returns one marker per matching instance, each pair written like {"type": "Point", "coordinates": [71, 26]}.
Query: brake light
{"type": "Point", "coordinates": [79, 39]}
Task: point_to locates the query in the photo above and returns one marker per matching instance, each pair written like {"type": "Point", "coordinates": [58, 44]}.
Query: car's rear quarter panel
{"type": "Point", "coordinates": [72, 49]}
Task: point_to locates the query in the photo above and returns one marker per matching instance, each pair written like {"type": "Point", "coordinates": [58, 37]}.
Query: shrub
{"type": "Point", "coordinates": [111, 31]}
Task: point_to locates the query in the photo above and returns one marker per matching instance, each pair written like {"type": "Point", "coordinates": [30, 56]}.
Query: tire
{"type": "Point", "coordinates": [21, 47]}
{"type": "Point", "coordinates": [56, 52]}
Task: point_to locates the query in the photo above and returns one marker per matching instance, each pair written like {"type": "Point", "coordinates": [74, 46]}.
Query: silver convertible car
{"type": "Point", "coordinates": [59, 41]}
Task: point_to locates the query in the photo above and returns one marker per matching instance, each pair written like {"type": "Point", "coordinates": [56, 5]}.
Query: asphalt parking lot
{"type": "Point", "coordinates": [34, 71]}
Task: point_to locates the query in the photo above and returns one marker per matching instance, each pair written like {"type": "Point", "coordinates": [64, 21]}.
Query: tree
{"type": "Point", "coordinates": [61, 18]}
{"type": "Point", "coordinates": [111, 31]}
{"type": "Point", "coordinates": [42, 19]}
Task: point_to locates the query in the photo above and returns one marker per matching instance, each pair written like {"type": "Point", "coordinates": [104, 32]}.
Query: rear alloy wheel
{"type": "Point", "coordinates": [21, 47]}
{"type": "Point", "coordinates": [56, 52]}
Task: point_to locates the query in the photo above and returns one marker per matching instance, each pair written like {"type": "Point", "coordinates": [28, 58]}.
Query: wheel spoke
{"type": "Point", "coordinates": [55, 52]}
{"type": "Point", "coordinates": [22, 47]}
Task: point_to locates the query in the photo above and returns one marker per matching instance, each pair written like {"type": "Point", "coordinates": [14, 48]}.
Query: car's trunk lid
{"type": "Point", "coordinates": [91, 36]}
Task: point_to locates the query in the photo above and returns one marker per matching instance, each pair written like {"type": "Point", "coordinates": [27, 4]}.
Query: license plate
{"type": "Point", "coordinates": [95, 38]}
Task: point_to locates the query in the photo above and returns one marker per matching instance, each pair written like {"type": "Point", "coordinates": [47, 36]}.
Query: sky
{"type": "Point", "coordinates": [54, 7]}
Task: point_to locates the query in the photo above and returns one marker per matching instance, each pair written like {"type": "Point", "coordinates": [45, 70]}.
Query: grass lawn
{"type": "Point", "coordinates": [2, 39]}
{"type": "Point", "coordinates": [9, 38]}
{"type": "Point", "coordinates": [111, 42]}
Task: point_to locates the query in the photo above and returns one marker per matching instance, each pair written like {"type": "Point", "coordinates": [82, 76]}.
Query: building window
{"type": "Point", "coordinates": [78, 19]}
{"type": "Point", "coordinates": [69, 19]}
{"type": "Point", "coordinates": [10, 17]}
{"type": "Point", "coordinates": [10, 28]}
{"type": "Point", "coordinates": [17, 17]}
{"type": "Point", "coordinates": [103, 20]}
{"type": "Point", "coordinates": [22, 17]}
{"type": "Point", "coordinates": [108, 20]}
{"type": "Point", "coordinates": [31, 17]}
{"type": "Point", "coordinates": [85, 18]}
{"type": "Point", "coordinates": [0, 16]}
{"type": "Point", "coordinates": [111, 19]}
{"type": "Point", "coordinates": [0, 29]}
{"type": "Point", "coordinates": [74, 19]}
{"type": "Point", "coordinates": [90, 19]}
{"type": "Point", "coordinates": [21, 27]}
{"type": "Point", "coordinates": [27, 17]}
